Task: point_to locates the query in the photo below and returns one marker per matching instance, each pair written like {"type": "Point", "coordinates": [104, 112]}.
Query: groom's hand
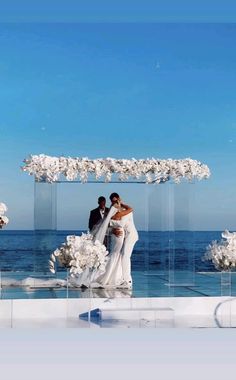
{"type": "Point", "coordinates": [117, 232]}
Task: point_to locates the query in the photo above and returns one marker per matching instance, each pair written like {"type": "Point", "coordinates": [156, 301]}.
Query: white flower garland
{"type": "Point", "coordinates": [79, 253]}
{"type": "Point", "coordinates": [49, 169]}
{"type": "Point", "coordinates": [3, 218]}
{"type": "Point", "coordinates": [223, 254]}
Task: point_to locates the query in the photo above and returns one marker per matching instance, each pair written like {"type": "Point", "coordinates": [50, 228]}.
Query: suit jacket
{"type": "Point", "coordinates": [95, 216]}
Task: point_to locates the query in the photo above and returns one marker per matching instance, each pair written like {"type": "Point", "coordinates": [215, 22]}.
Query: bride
{"type": "Point", "coordinates": [115, 225]}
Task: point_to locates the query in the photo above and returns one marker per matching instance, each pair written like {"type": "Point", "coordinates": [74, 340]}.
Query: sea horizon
{"type": "Point", "coordinates": [155, 250]}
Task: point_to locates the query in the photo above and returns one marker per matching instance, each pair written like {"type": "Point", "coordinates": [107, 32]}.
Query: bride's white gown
{"type": "Point", "coordinates": [113, 275]}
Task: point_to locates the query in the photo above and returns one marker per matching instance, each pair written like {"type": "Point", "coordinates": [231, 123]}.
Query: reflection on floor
{"type": "Point", "coordinates": [145, 284]}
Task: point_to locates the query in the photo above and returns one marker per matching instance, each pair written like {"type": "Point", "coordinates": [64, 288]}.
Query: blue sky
{"type": "Point", "coordinates": [114, 11]}
{"type": "Point", "coordinates": [123, 90]}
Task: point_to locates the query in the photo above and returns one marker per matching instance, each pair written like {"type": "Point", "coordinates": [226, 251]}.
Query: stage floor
{"type": "Point", "coordinates": [145, 285]}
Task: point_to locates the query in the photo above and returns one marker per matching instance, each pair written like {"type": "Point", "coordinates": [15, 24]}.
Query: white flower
{"type": "Point", "coordinates": [3, 208]}
{"type": "Point", "coordinates": [47, 168]}
{"type": "Point", "coordinates": [223, 254]}
{"type": "Point", "coordinates": [79, 253]}
{"type": "Point", "coordinates": [51, 263]}
{"type": "Point", "coordinates": [5, 219]}
{"type": "Point", "coordinates": [56, 252]}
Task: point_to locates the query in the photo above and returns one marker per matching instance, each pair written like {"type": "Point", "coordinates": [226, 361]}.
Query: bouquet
{"type": "Point", "coordinates": [79, 253]}
{"type": "Point", "coordinates": [3, 218]}
{"type": "Point", "coordinates": [223, 253]}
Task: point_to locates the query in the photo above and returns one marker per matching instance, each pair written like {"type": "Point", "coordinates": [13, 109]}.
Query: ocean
{"type": "Point", "coordinates": [156, 250]}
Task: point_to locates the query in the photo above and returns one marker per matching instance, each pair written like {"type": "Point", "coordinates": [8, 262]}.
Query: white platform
{"type": "Point", "coordinates": [137, 313]}
{"type": "Point", "coordinates": [187, 312]}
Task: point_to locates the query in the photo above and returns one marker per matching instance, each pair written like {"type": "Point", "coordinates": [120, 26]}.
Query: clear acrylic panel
{"type": "Point", "coordinates": [161, 238]}
{"type": "Point", "coordinates": [171, 249]}
{"type": "Point", "coordinates": [45, 225]}
{"type": "Point", "coordinates": [45, 206]}
{"type": "Point", "coordinates": [226, 283]}
{"type": "Point", "coordinates": [182, 254]}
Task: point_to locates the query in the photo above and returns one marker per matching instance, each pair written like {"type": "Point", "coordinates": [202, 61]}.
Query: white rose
{"type": "Point", "coordinates": [3, 208]}
{"type": "Point", "coordinates": [4, 219]}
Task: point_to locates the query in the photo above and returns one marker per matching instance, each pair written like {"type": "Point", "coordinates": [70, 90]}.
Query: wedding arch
{"type": "Point", "coordinates": [174, 174]}
{"type": "Point", "coordinates": [50, 169]}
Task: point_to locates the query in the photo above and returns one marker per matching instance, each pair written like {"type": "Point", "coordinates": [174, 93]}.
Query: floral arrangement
{"type": "Point", "coordinates": [49, 169]}
{"type": "Point", "coordinates": [223, 253]}
{"type": "Point", "coordinates": [79, 253]}
{"type": "Point", "coordinates": [3, 218]}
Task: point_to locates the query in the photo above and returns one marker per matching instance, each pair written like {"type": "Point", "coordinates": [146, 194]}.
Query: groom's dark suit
{"type": "Point", "coordinates": [95, 216]}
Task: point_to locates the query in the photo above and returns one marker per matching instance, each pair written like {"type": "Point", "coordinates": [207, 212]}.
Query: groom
{"type": "Point", "coordinates": [98, 213]}
{"type": "Point", "coordinates": [130, 238]}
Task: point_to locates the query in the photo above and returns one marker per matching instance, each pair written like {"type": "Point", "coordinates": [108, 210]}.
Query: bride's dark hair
{"type": "Point", "coordinates": [114, 195]}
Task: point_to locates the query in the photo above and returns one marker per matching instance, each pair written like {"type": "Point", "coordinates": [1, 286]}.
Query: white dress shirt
{"type": "Point", "coordinates": [102, 212]}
